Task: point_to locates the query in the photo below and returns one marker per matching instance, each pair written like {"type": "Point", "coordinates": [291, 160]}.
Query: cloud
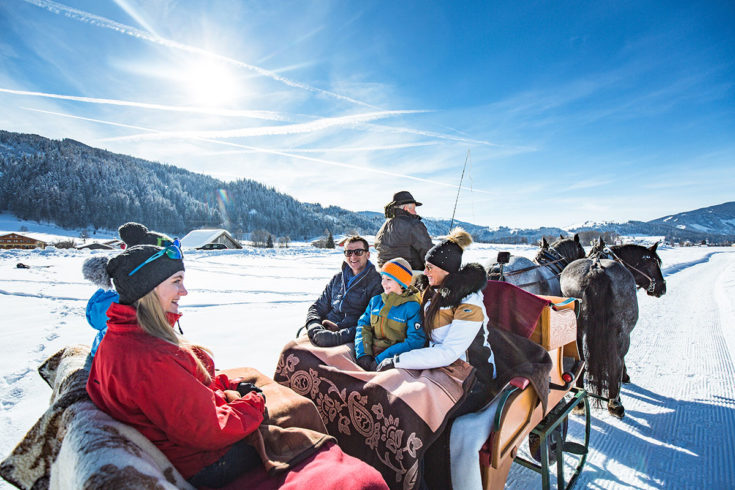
{"type": "Point", "coordinates": [103, 22]}
{"type": "Point", "coordinates": [267, 115]}
{"type": "Point", "coordinates": [308, 127]}
{"type": "Point", "coordinates": [269, 151]}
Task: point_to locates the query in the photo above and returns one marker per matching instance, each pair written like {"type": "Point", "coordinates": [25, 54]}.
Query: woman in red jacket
{"type": "Point", "coordinates": [152, 379]}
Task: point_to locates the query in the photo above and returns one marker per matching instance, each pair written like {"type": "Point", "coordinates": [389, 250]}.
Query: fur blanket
{"type": "Point", "coordinates": [75, 445]}
{"type": "Point", "coordinates": [386, 419]}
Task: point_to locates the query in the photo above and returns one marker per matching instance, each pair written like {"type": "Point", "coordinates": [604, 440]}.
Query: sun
{"type": "Point", "coordinates": [210, 83]}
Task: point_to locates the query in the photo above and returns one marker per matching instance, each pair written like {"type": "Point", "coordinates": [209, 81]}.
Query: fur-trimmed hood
{"type": "Point", "coordinates": [469, 279]}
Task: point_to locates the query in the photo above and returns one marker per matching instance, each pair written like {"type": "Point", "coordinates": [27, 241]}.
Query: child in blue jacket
{"type": "Point", "coordinates": [391, 323]}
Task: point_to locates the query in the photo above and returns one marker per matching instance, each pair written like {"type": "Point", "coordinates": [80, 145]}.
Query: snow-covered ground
{"type": "Point", "coordinates": [679, 429]}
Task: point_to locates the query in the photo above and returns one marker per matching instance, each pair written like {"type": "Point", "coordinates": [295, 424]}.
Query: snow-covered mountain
{"type": "Point", "coordinates": [719, 219]}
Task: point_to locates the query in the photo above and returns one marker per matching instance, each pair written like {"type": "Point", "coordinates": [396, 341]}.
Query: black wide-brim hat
{"type": "Point", "coordinates": [403, 197]}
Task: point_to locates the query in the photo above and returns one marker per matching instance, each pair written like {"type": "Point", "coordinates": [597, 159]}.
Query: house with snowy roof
{"type": "Point", "coordinates": [209, 240]}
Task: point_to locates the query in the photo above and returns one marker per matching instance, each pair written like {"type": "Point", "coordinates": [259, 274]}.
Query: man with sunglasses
{"type": "Point", "coordinates": [332, 319]}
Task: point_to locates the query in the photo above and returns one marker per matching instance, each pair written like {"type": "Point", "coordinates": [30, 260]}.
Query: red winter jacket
{"type": "Point", "coordinates": [154, 386]}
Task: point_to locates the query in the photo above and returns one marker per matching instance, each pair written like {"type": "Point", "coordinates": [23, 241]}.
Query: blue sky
{"type": "Point", "coordinates": [569, 111]}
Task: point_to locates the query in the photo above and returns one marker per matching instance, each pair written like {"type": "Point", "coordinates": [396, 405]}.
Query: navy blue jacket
{"type": "Point", "coordinates": [343, 305]}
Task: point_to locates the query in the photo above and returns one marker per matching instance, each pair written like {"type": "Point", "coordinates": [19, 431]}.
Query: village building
{"type": "Point", "coordinates": [209, 240]}
{"type": "Point", "coordinates": [14, 240]}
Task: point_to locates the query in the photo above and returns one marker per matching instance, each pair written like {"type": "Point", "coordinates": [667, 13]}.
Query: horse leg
{"type": "Point", "coordinates": [579, 409]}
{"type": "Point", "coordinates": [626, 378]}
{"type": "Point", "coordinates": [614, 403]}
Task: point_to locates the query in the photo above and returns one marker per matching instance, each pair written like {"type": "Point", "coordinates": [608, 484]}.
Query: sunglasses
{"type": "Point", "coordinates": [172, 252]}
{"type": "Point", "coordinates": [358, 252]}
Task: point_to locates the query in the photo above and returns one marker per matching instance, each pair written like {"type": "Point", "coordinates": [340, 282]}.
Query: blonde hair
{"type": "Point", "coordinates": [152, 320]}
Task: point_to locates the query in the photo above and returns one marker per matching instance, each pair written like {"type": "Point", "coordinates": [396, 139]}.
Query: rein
{"type": "Point", "coordinates": [552, 263]}
{"type": "Point", "coordinates": [651, 281]}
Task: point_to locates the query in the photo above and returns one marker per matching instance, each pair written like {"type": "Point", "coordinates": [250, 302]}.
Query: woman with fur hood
{"type": "Point", "coordinates": [454, 319]}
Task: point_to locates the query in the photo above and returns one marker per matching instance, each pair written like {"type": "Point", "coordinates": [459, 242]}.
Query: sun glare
{"type": "Point", "coordinates": [210, 84]}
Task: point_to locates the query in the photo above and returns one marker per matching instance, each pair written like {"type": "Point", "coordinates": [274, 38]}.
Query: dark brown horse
{"type": "Point", "coordinates": [609, 310]}
{"type": "Point", "coordinates": [644, 263]}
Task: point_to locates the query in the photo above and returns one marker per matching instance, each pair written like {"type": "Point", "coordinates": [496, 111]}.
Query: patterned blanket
{"type": "Point", "coordinates": [386, 419]}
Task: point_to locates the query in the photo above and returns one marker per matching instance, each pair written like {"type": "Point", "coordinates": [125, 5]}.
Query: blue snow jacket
{"type": "Point", "coordinates": [97, 313]}
{"type": "Point", "coordinates": [390, 325]}
{"type": "Point", "coordinates": [345, 297]}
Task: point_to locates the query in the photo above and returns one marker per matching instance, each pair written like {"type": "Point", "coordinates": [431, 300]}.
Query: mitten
{"type": "Point", "coordinates": [312, 329]}
{"type": "Point", "coordinates": [386, 364]}
{"type": "Point", "coordinates": [367, 363]}
{"type": "Point", "coordinates": [326, 338]}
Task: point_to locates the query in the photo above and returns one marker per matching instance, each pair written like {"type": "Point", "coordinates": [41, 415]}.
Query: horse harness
{"type": "Point", "coordinates": [611, 255]}
{"type": "Point", "coordinates": [550, 258]}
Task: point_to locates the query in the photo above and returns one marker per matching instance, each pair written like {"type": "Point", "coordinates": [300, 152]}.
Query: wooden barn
{"type": "Point", "coordinates": [14, 240]}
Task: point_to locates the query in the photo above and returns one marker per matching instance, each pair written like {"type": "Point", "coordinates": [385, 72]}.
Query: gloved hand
{"type": "Point", "coordinates": [313, 328]}
{"type": "Point", "coordinates": [244, 388]}
{"type": "Point", "coordinates": [367, 363]}
{"type": "Point", "coordinates": [326, 338]}
{"type": "Point", "coordinates": [386, 364]}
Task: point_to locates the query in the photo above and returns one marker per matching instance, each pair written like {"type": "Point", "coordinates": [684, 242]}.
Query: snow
{"type": "Point", "coordinates": [679, 429]}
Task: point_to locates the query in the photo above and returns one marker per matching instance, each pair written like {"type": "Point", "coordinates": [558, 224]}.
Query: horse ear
{"type": "Point", "coordinates": [653, 248]}
{"type": "Point", "coordinates": [576, 237]}
{"type": "Point", "coordinates": [602, 242]}
{"type": "Point", "coordinates": [561, 237]}
{"type": "Point", "coordinates": [544, 243]}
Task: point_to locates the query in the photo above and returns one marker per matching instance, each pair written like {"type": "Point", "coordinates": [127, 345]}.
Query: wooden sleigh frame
{"type": "Point", "coordinates": [520, 411]}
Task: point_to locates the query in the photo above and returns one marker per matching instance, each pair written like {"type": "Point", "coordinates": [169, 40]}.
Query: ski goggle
{"type": "Point", "coordinates": [172, 252]}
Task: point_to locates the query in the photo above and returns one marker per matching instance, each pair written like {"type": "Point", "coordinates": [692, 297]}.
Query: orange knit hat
{"type": "Point", "coordinates": [399, 270]}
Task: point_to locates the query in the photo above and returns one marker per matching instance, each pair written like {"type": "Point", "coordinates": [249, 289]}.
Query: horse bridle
{"type": "Point", "coordinates": [651, 281]}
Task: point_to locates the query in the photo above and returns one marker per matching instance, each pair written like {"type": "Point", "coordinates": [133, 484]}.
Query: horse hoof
{"type": "Point", "coordinates": [626, 378]}
{"type": "Point", "coordinates": [578, 410]}
{"type": "Point", "coordinates": [616, 410]}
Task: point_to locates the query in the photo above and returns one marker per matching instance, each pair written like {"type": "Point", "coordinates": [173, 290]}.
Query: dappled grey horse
{"type": "Point", "coordinates": [540, 276]}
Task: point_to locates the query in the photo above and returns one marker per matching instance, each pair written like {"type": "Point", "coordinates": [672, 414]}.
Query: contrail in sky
{"type": "Point", "coordinates": [267, 115]}
{"type": "Point", "coordinates": [267, 151]}
{"type": "Point", "coordinates": [96, 20]}
{"type": "Point", "coordinates": [308, 127]}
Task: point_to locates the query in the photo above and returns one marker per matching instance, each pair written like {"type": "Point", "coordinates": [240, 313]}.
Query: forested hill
{"type": "Point", "coordinates": [76, 186]}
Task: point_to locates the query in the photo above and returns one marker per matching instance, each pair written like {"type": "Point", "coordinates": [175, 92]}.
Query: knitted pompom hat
{"type": "Point", "coordinates": [100, 270]}
{"type": "Point", "coordinates": [136, 234]}
{"type": "Point", "coordinates": [399, 270]}
{"type": "Point", "coordinates": [447, 255]}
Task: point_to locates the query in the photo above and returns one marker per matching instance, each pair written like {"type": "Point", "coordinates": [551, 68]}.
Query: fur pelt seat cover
{"type": "Point", "coordinates": [75, 445]}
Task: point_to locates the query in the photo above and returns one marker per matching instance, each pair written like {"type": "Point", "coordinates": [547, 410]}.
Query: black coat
{"type": "Point", "coordinates": [344, 306]}
{"type": "Point", "coordinates": [403, 235]}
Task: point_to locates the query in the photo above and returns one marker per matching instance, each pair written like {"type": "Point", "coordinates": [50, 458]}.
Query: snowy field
{"type": "Point", "coordinates": [679, 429]}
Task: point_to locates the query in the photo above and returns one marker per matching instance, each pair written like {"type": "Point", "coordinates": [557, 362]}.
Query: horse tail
{"type": "Point", "coordinates": [601, 338]}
